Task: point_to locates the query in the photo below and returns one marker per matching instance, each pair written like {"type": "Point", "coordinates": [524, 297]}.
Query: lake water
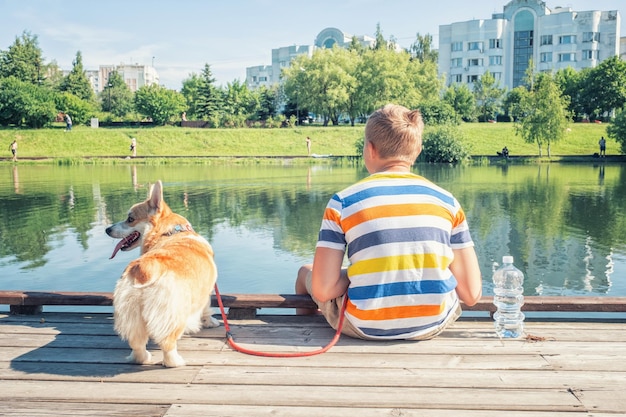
{"type": "Point", "coordinates": [564, 223]}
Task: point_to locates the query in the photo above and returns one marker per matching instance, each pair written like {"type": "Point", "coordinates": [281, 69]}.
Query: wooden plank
{"type": "Point", "coordinates": [289, 395]}
{"type": "Point", "coordinates": [201, 410]}
{"type": "Point", "coordinates": [253, 301]}
{"type": "Point", "coordinates": [56, 409]}
{"type": "Point", "coordinates": [410, 377]}
{"type": "Point", "coordinates": [100, 372]}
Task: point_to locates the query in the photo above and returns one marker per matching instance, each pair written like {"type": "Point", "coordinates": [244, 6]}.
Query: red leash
{"type": "Point", "coordinates": [235, 346]}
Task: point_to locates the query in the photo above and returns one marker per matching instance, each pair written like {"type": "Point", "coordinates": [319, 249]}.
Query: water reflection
{"type": "Point", "coordinates": [564, 224]}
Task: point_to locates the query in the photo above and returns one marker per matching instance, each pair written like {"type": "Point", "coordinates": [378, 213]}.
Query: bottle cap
{"type": "Point", "coordinates": [507, 259]}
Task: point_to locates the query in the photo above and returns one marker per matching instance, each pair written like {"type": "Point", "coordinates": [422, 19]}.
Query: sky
{"type": "Point", "coordinates": [179, 37]}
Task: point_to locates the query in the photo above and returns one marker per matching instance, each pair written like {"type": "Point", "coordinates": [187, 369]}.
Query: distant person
{"type": "Point", "coordinates": [505, 152]}
{"type": "Point", "coordinates": [13, 149]}
{"type": "Point", "coordinates": [602, 143]}
{"type": "Point", "coordinates": [308, 145]}
{"type": "Point", "coordinates": [68, 122]}
{"type": "Point", "coordinates": [133, 147]}
{"type": "Point", "coordinates": [184, 116]}
{"type": "Point", "coordinates": [411, 255]}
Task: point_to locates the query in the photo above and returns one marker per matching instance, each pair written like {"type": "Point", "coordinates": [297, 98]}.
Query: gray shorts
{"type": "Point", "coordinates": [331, 311]}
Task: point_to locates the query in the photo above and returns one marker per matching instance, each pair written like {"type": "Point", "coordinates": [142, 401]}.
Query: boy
{"type": "Point", "coordinates": [411, 254]}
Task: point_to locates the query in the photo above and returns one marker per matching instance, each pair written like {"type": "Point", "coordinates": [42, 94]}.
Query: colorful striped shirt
{"type": "Point", "coordinates": [399, 230]}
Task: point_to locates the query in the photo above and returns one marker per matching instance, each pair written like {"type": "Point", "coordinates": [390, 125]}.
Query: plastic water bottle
{"type": "Point", "coordinates": [508, 298]}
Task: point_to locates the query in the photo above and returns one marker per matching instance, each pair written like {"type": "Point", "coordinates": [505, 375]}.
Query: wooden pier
{"type": "Point", "coordinates": [73, 364]}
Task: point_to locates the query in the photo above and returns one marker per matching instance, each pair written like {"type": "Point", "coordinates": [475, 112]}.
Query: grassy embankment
{"type": "Point", "coordinates": [57, 145]}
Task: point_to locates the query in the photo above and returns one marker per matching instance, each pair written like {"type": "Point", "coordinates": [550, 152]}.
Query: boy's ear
{"type": "Point", "coordinates": [372, 148]}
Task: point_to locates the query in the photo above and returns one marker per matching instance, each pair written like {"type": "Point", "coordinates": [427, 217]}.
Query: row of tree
{"type": "Point", "coordinates": [334, 84]}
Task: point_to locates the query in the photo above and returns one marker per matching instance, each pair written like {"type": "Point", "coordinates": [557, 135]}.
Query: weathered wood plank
{"type": "Point", "coordinates": [410, 377]}
{"type": "Point", "coordinates": [56, 409]}
{"type": "Point", "coordinates": [252, 301]}
{"type": "Point", "coordinates": [201, 410]}
{"type": "Point", "coordinates": [289, 395]}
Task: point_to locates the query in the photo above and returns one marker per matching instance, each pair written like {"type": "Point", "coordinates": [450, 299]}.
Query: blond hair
{"type": "Point", "coordinates": [395, 132]}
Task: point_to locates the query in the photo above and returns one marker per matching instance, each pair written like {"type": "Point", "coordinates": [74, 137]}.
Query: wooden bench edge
{"type": "Point", "coordinates": [37, 299]}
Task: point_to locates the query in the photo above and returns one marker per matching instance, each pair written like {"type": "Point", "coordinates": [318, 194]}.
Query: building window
{"type": "Point", "coordinates": [591, 36]}
{"type": "Point", "coordinates": [456, 46]}
{"type": "Point", "coordinates": [589, 54]}
{"type": "Point", "coordinates": [546, 39]}
{"type": "Point", "coordinates": [457, 78]}
{"type": "Point", "coordinates": [475, 62]}
{"type": "Point", "coordinates": [495, 43]}
{"type": "Point", "coordinates": [456, 62]}
{"type": "Point", "coordinates": [545, 57]}
{"type": "Point", "coordinates": [497, 76]}
{"type": "Point", "coordinates": [495, 60]}
{"type": "Point", "coordinates": [472, 78]}
{"type": "Point", "coordinates": [567, 39]}
{"type": "Point", "coordinates": [567, 57]}
{"type": "Point", "coordinates": [475, 46]}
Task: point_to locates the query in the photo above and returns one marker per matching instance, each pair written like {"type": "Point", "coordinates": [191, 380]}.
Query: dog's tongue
{"type": "Point", "coordinates": [120, 245]}
{"type": "Point", "coordinates": [117, 248]}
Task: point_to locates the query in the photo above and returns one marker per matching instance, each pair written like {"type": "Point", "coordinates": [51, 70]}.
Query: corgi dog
{"type": "Point", "coordinates": [167, 290]}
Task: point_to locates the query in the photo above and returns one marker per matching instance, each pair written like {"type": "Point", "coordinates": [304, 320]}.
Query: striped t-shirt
{"type": "Point", "coordinates": [399, 230]}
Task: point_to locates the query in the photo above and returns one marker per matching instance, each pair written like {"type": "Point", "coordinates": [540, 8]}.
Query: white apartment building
{"type": "Point", "coordinates": [268, 75]}
{"type": "Point", "coordinates": [134, 75]}
{"type": "Point", "coordinates": [526, 30]}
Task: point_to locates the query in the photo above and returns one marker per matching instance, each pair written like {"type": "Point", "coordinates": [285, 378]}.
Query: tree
{"type": "Point", "coordinates": [511, 103]}
{"type": "Point", "coordinates": [25, 104]}
{"type": "Point", "coordinates": [208, 102]}
{"type": "Point", "coordinates": [438, 112]}
{"type": "Point", "coordinates": [23, 60]}
{"type": "Point", "coordinates": [605, 87]}
{"type": "Point", "coordinates": [76, 81]}
{"type": "Point", "coordinates": [380, 42]}
{"type": "Point", "coordinates": [191, 92]}
{"type": "Point", "coordinates": [268, 102]}
{"type": "Point", "coordinates": [543, 114]}
{"type": "Point", "coordinates": [321, 83]}
{"type": "Point", "coordinates": [460, 97]}
{"type": "Point", "coordinates": [239, 103]}
{"type": "Point", "coordinates": [159, 103]}
{"type": "Point", "coordinates": [422, 49]}
{"type": "Point", "coordinates": [570, 82]}
{"type": "Point", "coordinates": [617, 129]}
{"type": "Point", "coordinates": [116, 97]}
{"type": "Point", "coordinates": [80, 110]}
{"type": "Point", "coordinates": [487, 95]}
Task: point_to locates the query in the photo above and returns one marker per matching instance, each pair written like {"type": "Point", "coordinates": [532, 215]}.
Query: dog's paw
{"type": "Point", "coordinates": [172, 359]}
{"type": "Point", "coordinates": [210, 321]}
{"type": "Point", "coordinates": [139, 357]}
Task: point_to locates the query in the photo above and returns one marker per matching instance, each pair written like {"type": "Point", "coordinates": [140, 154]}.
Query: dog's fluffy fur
{"type": "Point", "coordinates": [167, 290]}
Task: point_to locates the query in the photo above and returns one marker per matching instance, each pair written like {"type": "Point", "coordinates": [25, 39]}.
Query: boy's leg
{"type": "Point", "coordinates": [301, 288]}
{"type": "Point", "coordinates": [331, 310]}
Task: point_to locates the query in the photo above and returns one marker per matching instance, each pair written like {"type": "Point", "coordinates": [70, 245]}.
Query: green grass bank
{"type": "Point", "coordinates": [54, 143]}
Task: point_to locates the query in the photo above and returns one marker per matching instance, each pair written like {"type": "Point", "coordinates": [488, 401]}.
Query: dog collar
{"type": "Point", "coordinates": [180, 228]}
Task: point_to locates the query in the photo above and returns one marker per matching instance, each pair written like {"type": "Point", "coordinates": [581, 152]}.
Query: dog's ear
{"type": "Point", "coordinates": [156, 195]}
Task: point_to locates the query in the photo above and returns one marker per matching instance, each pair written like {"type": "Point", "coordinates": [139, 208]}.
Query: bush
{"type": "Point", "coordinates": [617, 129]}
{"type": "Point", "coordinates": [443, 144]}
{"type": "Point", "coordinates": [438, 113]}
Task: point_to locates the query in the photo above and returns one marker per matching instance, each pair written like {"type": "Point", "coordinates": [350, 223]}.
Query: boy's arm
{"type": "Point", "coordinates": [467, 272]}
{"type": "Point", "coordinates": [329, 281]}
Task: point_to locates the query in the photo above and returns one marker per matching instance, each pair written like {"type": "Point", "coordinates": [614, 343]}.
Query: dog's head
{"type": "Point", "coordinates": [139, 222]}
